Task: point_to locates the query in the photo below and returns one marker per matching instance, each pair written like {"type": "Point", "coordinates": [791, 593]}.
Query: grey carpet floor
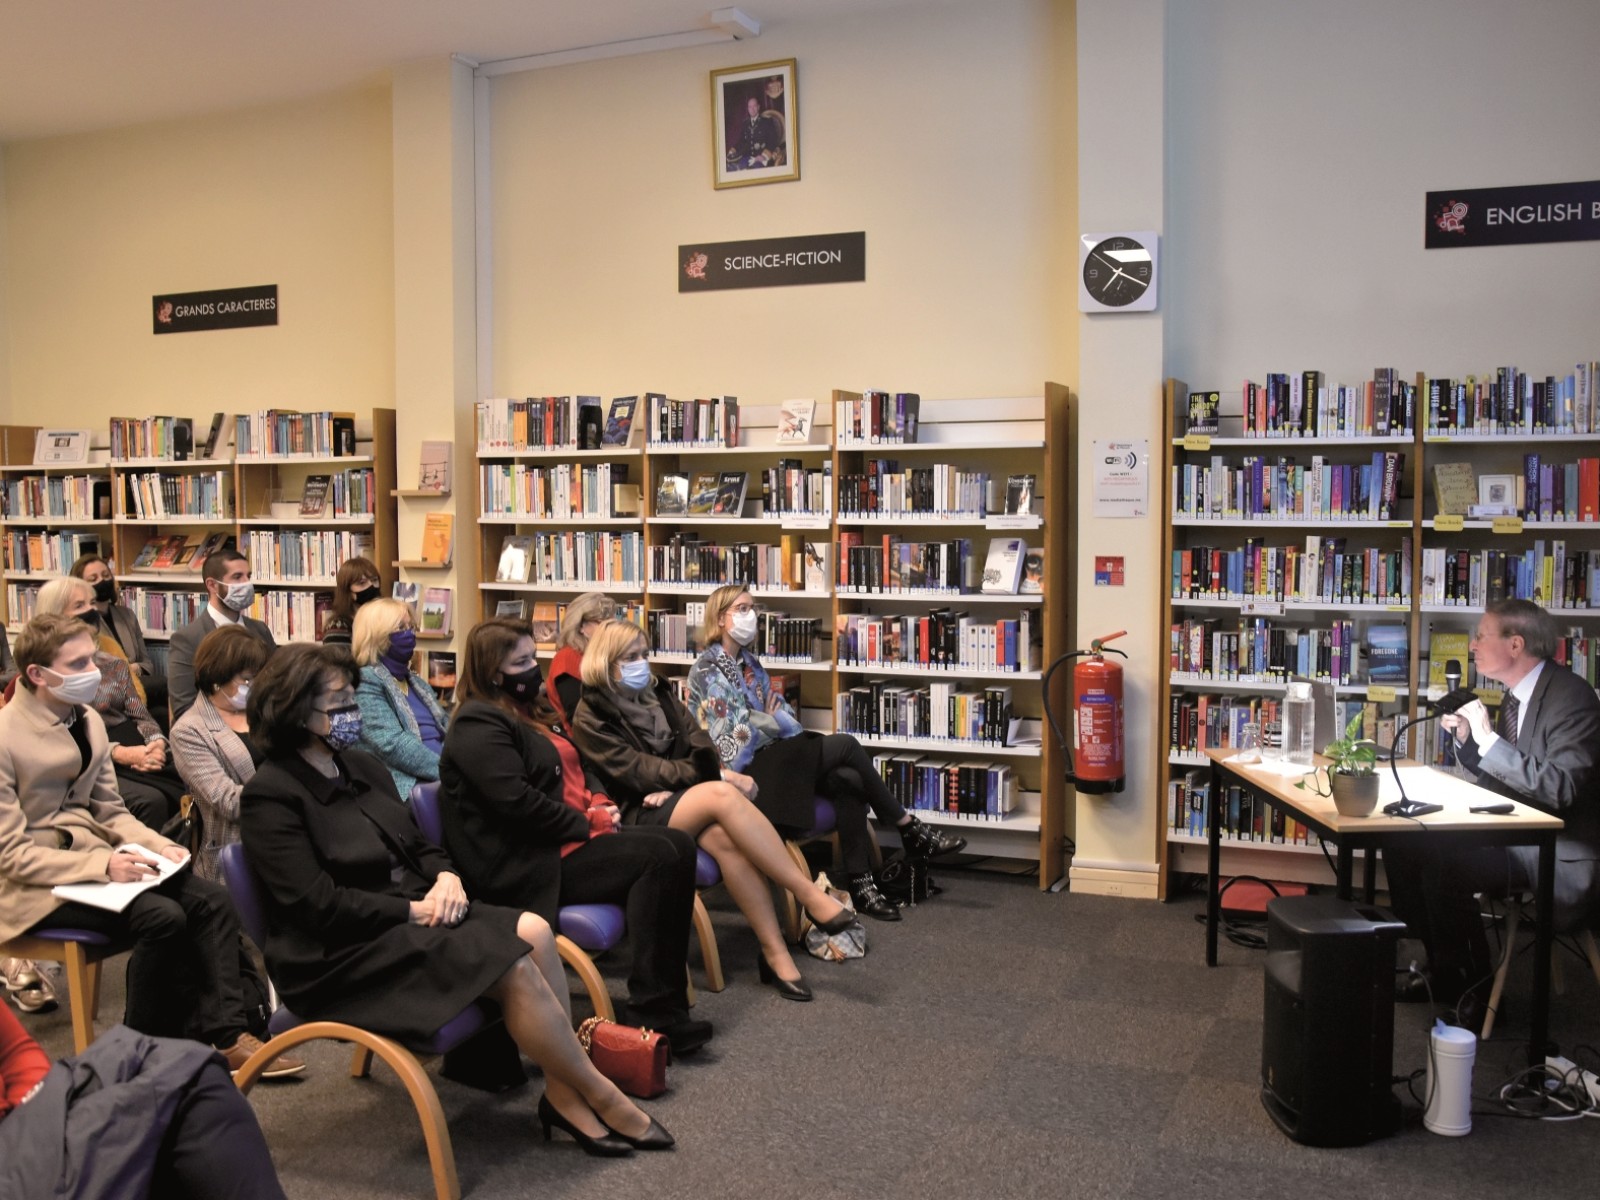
{"type": "Point", "coordinates": [998, 1042]}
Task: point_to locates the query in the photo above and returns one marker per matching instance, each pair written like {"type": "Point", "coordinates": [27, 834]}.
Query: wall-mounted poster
{"type": "Point", "coordinates": [755, 123]}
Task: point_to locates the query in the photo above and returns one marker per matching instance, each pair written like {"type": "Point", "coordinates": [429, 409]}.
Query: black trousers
{"type": "Point", "coordinates": [1432, 888]}
{"type": "Point", "coordinates": [649, 870]}
{"type": "Point", "coordinates": [846, 776]}
{"type": "Point", "coordinates": [185, 923]}
{"type": "Point", "coordinates": [214, 1150]}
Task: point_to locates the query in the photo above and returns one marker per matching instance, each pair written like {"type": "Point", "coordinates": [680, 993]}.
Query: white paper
{"type": "Point", "coordinates": [1122, 478]}
{"type": "Point", "coordinates": [115, 897]}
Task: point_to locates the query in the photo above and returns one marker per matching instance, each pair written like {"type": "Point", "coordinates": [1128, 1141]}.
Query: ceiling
{"type": "Point", "coordinates": [67, 66]}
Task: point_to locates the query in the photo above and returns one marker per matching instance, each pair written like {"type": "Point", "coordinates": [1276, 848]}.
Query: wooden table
{"type": "Point", "coordinates": [1523, 826]}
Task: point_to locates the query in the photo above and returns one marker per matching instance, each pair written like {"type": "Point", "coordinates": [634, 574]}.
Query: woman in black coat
{"type": "Point", "coordinates": [528, 830]}
{"type": "Point", "coordinates": [661, 767]}
{"type": "Point", "coordinates": [368, 923]}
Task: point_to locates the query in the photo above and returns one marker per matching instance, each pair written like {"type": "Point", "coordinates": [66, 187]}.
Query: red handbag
{"type": "Point", "coordinates": [632, 1058]}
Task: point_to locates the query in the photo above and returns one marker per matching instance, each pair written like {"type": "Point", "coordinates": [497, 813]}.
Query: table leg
{"type": "Point", "coordinates": [1369, 874]}
{"type": "Point", "coordinates": [1213, 865]}
{"type": "Point", "coordinates": [1544, 911]}
{"type": "Point", "coordinates": [1344, 869]}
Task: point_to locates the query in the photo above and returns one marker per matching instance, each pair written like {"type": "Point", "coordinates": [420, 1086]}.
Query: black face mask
{"type": "Point", "coordinates": [90, 617]}
{"type": "Point", "coordinates": [366, 594]}
{"type": "Point", "coordinates": [524, 685]}
{"type": "Point", "coordinates": [105, 591]}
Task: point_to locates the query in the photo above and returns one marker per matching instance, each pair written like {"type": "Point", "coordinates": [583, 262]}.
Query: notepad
{"type": "Point", "coordinates": [115, 897]}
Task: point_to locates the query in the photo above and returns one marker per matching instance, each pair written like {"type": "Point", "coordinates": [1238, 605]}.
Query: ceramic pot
{"type": "Point", "coordinates": [1354, 795]}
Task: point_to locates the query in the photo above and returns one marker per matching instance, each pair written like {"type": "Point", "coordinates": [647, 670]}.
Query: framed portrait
{"type": "Point", "coordinates": [755, 124]}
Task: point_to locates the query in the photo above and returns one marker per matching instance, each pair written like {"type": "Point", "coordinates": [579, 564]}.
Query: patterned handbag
{"type": "Point", "coordinates": [632, 1058]}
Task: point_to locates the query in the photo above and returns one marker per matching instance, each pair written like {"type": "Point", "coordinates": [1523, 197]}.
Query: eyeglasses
{"type": "Point", "coordinates": [366, 581]}
{"type": "Point", "coordinates": [741, 609]}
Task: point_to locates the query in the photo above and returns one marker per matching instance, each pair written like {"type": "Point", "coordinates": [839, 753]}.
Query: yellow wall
{"type": "Point", "coordinates": [295, 194]}
{"type": "Point", "coordinates": [936, 134]}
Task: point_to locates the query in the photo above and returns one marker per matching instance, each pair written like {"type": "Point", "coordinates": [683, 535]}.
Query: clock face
{"type": "Point", "coordinates": [1118, 272]}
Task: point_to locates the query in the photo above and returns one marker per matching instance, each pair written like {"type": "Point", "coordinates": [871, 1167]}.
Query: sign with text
{"type": "Point", "coordinates": [222, 308]}
{"type": "Point", "coordinates": [773, 262]}
{"type": "Point", "coordinates": [1508, 216]}
{"type": "Point", "coordinates": [1122, 478]}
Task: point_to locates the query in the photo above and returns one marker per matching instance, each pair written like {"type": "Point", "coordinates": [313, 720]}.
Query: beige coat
{"type": "Point", "coordinates": [58, 822]}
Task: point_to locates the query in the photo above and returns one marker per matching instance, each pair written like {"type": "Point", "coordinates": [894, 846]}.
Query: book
{"type": "Point", "coordinates": [795, 418]}
{"type": "Point", "coordinates": [433, 467]}
{"type": "Point", "coordinates": [730, 420]}
{"type": "Point", "coordinates": [167, 557]}
{"type": "Point", "coordinates": [672, 495]}
{"type": "Point", "coordinates": [1444, 645]}
{"type": "Point", "coordinates": [1019, 495]}
{"type": "Point", "coordinates": [438, 536]}
{"type": "Point", "coordinates": [546, 623]}
{"type": "Point", "coordinates": [591, 423]}
{"type": "Point", "coordinates": [115, 897]}
{"type": "Point", "coordinates": [1455, 487]}
{"type": "Point", "coordinates": [148, 553]}
{"type": "Point", "coordinates": [1388, 653]}
{"type": "Point", "coordinates": [703, 493]}
{"type": "Point", "coordinates": [212, 544]}
{"type": "Point", "coordinates": [435, 616]}
{"type": "Point", "coordinates": [1032, 571]}
{"type": "Point", "coordinates": [1002, 570]}
{"type": "Point", "coordinates": [314, 496]}
{"type": "Point", "coordinates": [817, 573]}
{"type": "Point", "coordinates": [516, 559]}
{"type": "Point", "coordinates": [441, 669]}
{"type": "Point", "coordinates": [619, 422]}
{"type": "Point", "coordinates": [1203, 409]}
{"type": "Point", "coordinates": [516, 610]}
{"type": "Point", "coordinates": [405, 591]}
{"type": "Point", "coordinates": [730, 494]}
{"type": "Point", "coordinates": [213, 435]}
{"type": "Point", "coordinates": [344, 436]}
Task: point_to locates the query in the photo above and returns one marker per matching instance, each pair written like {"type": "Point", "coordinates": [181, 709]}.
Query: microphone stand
{"type": "Point", "coordinates": [1404, 807]}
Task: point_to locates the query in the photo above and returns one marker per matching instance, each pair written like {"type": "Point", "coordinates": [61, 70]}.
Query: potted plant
{"type": "Point", "coordinates": [1352, 773]}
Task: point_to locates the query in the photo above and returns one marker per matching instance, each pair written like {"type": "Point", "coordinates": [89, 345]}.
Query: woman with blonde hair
{"type": "Point", "coordinates": [119, 623]}
{"type": "Point", "coordinates": [402, 722]}
{"type": "Point", "coordinates": [564, 685]}
{"type": "Point", "coordinates": [662, 769]}
{"type": "Point", "coordinates": [755, 730]}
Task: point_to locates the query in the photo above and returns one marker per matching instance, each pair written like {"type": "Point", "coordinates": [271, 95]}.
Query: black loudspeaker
{"type": "Point", "coordinates": [1327, 1055]}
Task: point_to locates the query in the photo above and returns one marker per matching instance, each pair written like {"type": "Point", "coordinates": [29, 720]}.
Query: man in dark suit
{"type": "Point", "coordinates": [1542, 749]}
{"type": "Point", "coordinates": [226, 576]}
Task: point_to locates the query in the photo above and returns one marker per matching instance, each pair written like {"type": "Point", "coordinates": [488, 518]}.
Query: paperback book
{"type": "Point", "coordinates": [438, 537]}
{"type": "Point", "coordinates": [730, 494]}
{"type": "Point", "coordinates": [672, 495]}
{"type": "Point", "coordinates": [703, 493]}
{"type": "Point", "coordinates": [435, 616]}
{"type": "Point", "coordinates": [1002, 570]}
{"type": "Point", "coordinates": [1203, 412]}
{"type": "Point", "coordinates": [314, 496]}
{"type": "Point", "coordinates": [441, 669]}
{"type": "Point", "coordinates": [433, 467]}
{"type": "Point", "coordinates": [1019, 495]}
{"type": "Point", "coordinates": [1032, 572]}
{"type": "Point", "coordinates": [795, 418]}
{"type": "Point", "coordinates": [516, 559]}
{"type": "Point", "coordinates": [619, 421]}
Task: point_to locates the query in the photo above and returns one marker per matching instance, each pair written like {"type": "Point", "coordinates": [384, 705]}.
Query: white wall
{"type": "Point", "coordinates": [1301, 141]}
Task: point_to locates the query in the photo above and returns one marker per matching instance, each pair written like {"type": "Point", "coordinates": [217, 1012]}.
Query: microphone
{"type": "Point", "coordinates": [1452, 674]}
{"type": "Point", "coordinates": [1457, 697]}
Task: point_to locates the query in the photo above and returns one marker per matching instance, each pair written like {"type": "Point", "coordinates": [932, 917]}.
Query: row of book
{"type": "Point", "coordinates": [687, 559]}
{"type": "Point", "coordinates": [888, 564]}
{"type": "Point", "coordinates": [672, 632]}
{"type": "Point", "coordinates": [943, 711]}
{"type": "Point", "coordinates": [877, 418]}
{"type": "Point", "coordinates": [152, 495]}
{"type": "Point", "coordinates": [54, 497]}
{"type": "Point", "coordinates": [179, 552]}
{"type": "Point", "coordinates": [1208, 721]}
{"type": "Point", "coordinates": [941, 639]}
{"type": "Point", "coordinates": [1303, 404]}
{"type": "Point", "coordinates": [1548, 572]}
{"type": "Point", "coordinates": [782, 637]}
{"type": "Point", "coordinates": [1281, 489]}
{"type": "Point", "coordinates": [701, 423]}
{"type": "Point", "coordinates": [965, 789]}
{"type": "Point", "coordinates": [158, 611]}
{"type": "Point", "coordinates": [151, 437]}
{"type": "Point", "coordinates": [792, 487]}
{"type": "Point", "coordinates": [52, 553]}
{"type": "Point", "coordinates": [561, 491]}
{"type": "Point", "coordinates": [303, 555]}
{"type": "Point", "coordinates": [707, 494]}
{"type": "Point", "coordinates": [293, 616]}
{"type": "Point", "coordinates": [1245, 816]}
{"type": "Point", "coordinates": [269, 433]}
{"type": "Point", "coordinates": [580, 556]}
{"type": "Point", "coordinates": [939, 489]}
{"type": "Point", "coordinates": [543, 423]}
{"type": "Point", "coordinates": [1321, 572]}
{"type": "Point", "coordinates": [1512, 403]}
{"type": "Point", "coordinates": [1253, 649]}
{"type": "Point", "coordinates": [1559, 491]}
{"type": "Point", "coordinates": [353, 495]}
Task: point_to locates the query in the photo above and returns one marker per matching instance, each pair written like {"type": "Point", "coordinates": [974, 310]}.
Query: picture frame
{"type": "Point", "coordinates": [56, 447]}
{"type": "Point", "coordinates": [1498, 491]}
{"type": "Point", "coordinates": [755, 124]}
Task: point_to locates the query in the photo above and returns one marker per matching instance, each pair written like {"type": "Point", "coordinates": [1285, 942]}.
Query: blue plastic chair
{"type": "Point", "coordinates": [582, 930]}
{"type": "Point", "coordinates": [288, 1031]}
{"type": "Point", "coordinates": [825, 824]}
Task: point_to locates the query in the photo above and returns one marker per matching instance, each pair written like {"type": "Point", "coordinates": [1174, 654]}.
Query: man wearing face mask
{"type": "Point", "coordinates": [119, 623]}
{"type": "Point", "coordinates": [62, 821]}
{"type": "Point", "coordinates": [229, 594]}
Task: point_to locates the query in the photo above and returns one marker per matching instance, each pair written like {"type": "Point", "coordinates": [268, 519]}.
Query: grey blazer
{"type": "Point", "coordinates": [180, 657]}
{"type": "Point", "coordinates": [215, 767]}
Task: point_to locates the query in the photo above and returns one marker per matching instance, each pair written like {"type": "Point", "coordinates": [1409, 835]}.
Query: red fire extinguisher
{"type": "Point", "coordinates": [1095, 761]}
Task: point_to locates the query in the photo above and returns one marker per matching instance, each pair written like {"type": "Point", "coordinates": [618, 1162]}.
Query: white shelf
{"type": "Point", "coordinates": [935, 596]}
{"type": "Point", "coordinates": [575, 522]}
{"type": "Point", "coordinates": [179, 520]}
{"type": "Point", "coordinates": [705, 589]}
{"type": "Point", "coordinates": [882, 449]}
{"type": "Point", "coordinates": [1290, 606]}
{"type": "Point", "coordinates": [366, 521]}
{"type": "Point", "coordinates": [54, 468]}
{"type": "Point", "coordinates": [46, 522]}
{"type": "Point", "coordinates": [931, 519]}
{"type": "Point", "coordinates": [947, 746]}
{"type": "Point", "coordinates": [672, 658]}
{"type": "Point", "coordinates": [1188, 682]}
{"type": "Point", "coordinates": [1015, 821]}
{"type": "Point", "coordinates": [557, 452]}
{"type": "Point", "coordinates": [170, 464]}
{"type": "Point", "coordinates": [1530, 526]}
{"type": "Point", "coordinates": [1472, 610]}
{"type": "Point", "coordinates": [270, 460]}
{"type": "Point", "coordinates": [1185, 839]}
{"type": "Point", "coordinates": [1334, 440]}
{"type": "Point", "coordinates": [182, 576]}
{"type": "Point", "coordinates": [156, 635]}
{"type": "Point", "coordinates": [327, 582]}
{"type": "Point", "coordinates": [709, 519]}
{"type": "Point", "coordinates": [1511, 437]}
{"type": "Point", "coordinates": [38, 576]}
{"type": "Point", "coordinates": [955, 672]}
{"type": "Point", "coordinates": [591, 585]}
{"type": "Point", "coordinates": [1329, 524]}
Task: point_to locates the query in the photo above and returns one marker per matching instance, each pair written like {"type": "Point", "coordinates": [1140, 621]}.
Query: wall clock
{"type": "Point", "coordinates": [1117, 272]}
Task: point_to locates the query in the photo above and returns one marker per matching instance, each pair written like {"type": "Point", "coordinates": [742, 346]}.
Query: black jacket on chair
{"type": "Point", "coordinates": [500, 801]}
{"type": "Point", "coordinates": [616, 752]}
{"type": "Point", "coordinates": [1555, 766]}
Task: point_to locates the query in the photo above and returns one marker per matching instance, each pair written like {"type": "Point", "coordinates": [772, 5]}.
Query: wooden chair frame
{"type": "Point", "coordinates": [81, 962]}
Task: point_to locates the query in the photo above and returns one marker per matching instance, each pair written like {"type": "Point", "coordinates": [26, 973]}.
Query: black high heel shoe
{"type": "Point", "coordinates": [789, 989]}
{"type": "Point", "coordinates": [654, 1138]}
{"type": "Point", "coordinates": [838, 924]}
{"type": "Point", "coordinates": [608, 1145]}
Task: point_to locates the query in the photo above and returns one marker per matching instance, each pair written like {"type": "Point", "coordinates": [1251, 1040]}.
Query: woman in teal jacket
{"type": "Point", "coordinates": [402, 724]}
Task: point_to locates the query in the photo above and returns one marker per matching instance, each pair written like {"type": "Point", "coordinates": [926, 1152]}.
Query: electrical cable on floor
{"type": "Point", "coordinates": [1242, 931]}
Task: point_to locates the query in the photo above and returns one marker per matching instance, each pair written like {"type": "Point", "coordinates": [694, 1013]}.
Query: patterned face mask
{"type": "Point", "coordinates": [344, 728]}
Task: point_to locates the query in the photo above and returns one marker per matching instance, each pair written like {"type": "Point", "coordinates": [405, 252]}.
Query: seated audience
{"type": "Point", "coordinates": [181, 1129]}
{"type": "Point", "coordinates": [229, 594]}
{"type": "Point", "coordinates": [655, 762]}
{"type": "Point", "coordinates": [356, 584]}
{"type": "Point", "coordinates": [528, 830]}
{"type": "Point", "coordinates": [119, 623]}
{"type": "Point", "coordinates": [402, 723]}
{"type": "Point", "coordinates": [368, 923]}
{"type": "Point", "coordinates": [583, 616]}
{"type": "Point", "coordinates": [62, 821]}
{"type": "Point", "coordinates": [211, 742]}
{"type": "Point", "coordinates": [150, 787]}
{"type": "Point", "coordinates": [754, 730]}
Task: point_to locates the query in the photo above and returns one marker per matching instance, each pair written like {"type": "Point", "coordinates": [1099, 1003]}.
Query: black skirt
{"type": "Point", "coordinates": [786, 775]}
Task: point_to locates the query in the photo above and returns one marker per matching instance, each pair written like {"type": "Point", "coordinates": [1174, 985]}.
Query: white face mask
{"type": "Point", "coordinates": [241, 696]}
{"type": "Point", "coordinates": [743, 628]}
{"type": "Point", "coordinates": [76, 689]}
{"type": "Point", "coordinates": [239, 595]}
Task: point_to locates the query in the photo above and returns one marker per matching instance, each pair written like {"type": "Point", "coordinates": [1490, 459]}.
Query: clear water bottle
{"type": "Point", "coordinates": [1298, 724]}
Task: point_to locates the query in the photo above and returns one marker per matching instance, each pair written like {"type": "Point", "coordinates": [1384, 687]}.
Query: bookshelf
{"type": "Point", "coordinates": [1415, 571]}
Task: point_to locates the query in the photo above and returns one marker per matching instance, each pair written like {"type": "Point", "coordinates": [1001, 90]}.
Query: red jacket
{"type": "Point", "coordinates": [22, 1063]}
